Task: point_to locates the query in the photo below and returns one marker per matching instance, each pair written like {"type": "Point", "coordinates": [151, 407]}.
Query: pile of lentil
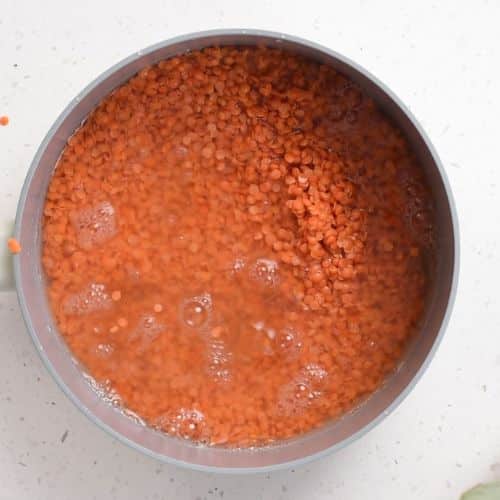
{"type": "Point", "coordinates": [235, 244]}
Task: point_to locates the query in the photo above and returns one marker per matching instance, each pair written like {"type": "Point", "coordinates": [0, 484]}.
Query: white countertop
{"type": "Point", "coordinates": [443, 60]}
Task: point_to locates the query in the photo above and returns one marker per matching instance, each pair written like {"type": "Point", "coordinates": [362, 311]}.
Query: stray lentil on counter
{"type": "Point", "coordinates": [235, 245]}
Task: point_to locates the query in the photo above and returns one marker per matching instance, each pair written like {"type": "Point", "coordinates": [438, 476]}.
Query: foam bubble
{"type": "Point", "coordinates": [103, 390]}
{"type": "Point", "coordinates": [104, 350]}
{"type": "Point", "coordinates": [196, 312]}
{"type": "Point", "coordinates": [236, 267]}
{"type": "Point", "coordinates": [147, 329]}
{"type": "Point", "coordinates": [295, 397]}
{"type": "Point", "coordinates": [420, 220]}
{"type": "Point", "coordinates": [111, 397]}
{"type": "Point", "coordinates": [303, 391]}
{"type": "Point", "coordinates": [91, 299]}
{"type": "Point", "coordinates": [288, 342]}
{"type": "Point", "coordinates": [184, 423]}
{"type": "Point", "coordinates": [133, 416]}
{"type": "Point", "coordinates": [219, 359]}
{"type": "Point", "coordinates": [95, 225]}
{"type": "Point", "coordinates": [265, 273]}
{"type": "Point", "coordinates": [314, 374]}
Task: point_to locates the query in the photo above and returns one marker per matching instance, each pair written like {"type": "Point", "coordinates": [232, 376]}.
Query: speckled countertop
{"type": "Point", "coordinates": [442, 58]}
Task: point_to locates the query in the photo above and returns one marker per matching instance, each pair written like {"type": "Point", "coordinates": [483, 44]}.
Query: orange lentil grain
{"type": "Point", "coordinates": [122, 322]}
{"type": "Point", "coordinates": [14, 245]}
{"type": "Point", "coordinates": [4, 120]}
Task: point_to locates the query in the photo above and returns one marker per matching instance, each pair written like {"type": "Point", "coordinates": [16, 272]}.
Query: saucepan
{"type": "Point", "coordinates": [71, 376]}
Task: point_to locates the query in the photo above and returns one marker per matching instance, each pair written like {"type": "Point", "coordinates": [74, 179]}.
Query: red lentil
{"type": "Point", "coordinates": [235, 242]}
{"type": "Point", "coordinates": [4, 120]}
{"type": "Point", "coordinates": [14, 245]}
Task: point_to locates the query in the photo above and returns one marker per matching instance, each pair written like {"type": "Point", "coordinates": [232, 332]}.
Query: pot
{"type": "Point", "coordinates": [78, 386]}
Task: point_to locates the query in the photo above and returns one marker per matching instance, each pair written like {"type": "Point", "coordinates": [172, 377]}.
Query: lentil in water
{"type": "Point", "coordinates": [234, 243]}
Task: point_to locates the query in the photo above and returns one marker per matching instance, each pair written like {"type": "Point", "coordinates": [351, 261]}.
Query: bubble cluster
{"type": "Point", "coordinates": [304, 391]}
{"type": "Point", "coordinates": [236, 268]}
{"type": "Point", "coordinates": [184, 423]}
{"type": "Point", "coordinates": [295, 398]}
{"type": "Point", "coordinates": [104, 390]}
{"type": "Point", "coordinates": [288, 342]}
{"type": "Point", "coordinates": [264, 272]}
{"type": "Point", "coordinates": [104, 350]}
{"type": "Point", "coordinates": [219, 360]}
{"type": "Point", "coordinates": [94, 225]}
{"type": "Point", "coordinates": [91, 299]}
{"type": "Point", "coordinates": [315, 374]}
